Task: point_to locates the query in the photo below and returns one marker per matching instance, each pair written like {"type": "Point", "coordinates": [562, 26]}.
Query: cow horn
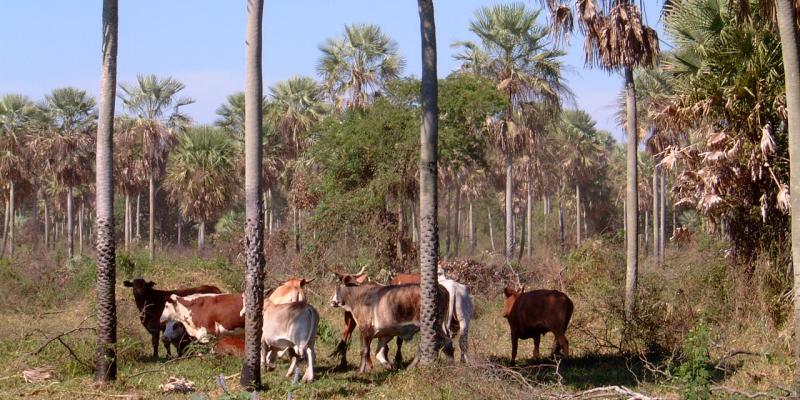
{"type": "Point", "coordinates": [310, 280]}
{"type": "Point", "coordinates": [363, 269]}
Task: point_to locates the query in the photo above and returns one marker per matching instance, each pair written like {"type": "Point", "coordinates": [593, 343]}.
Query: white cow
{"type": "Point", "coordinates": [293, 327]}
{"type": "Point", "coordinates": [460, 310]}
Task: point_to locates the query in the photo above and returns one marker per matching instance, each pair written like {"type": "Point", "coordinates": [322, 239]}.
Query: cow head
{"type": "Point", "coordinates": [290, 291]}
{"type": "Point", "coordinates": [511, 298]}
{"type": "Point", "coordinates": [139, 285]}
{"type": "Point", "coordinates": [174, 310]}
{"type": "Point", "coordinates": [346, 280]}
{"type": "Point", "coordinates": [174, 332]}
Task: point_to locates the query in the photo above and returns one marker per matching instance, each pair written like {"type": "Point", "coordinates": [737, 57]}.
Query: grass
{"type": "Point", "coordinates": [46, 300]}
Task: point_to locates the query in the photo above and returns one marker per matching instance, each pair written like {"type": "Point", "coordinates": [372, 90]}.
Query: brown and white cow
{"type": "Point", "coordinates": [205, 315]}
{"type": "Point", "coordinates": [293, 327]}
{"type": "Point", "coordinates": [532, 314]}
{"type": "Point", "coordinates": [150, 303]}
{"type": "Point", "coordinates": [384, 312]}
{"type": "Point", "coordinates": [290, 291]}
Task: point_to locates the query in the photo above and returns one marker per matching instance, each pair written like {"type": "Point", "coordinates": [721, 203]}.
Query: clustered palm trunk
{"type": "Point", "coordinates": [106, 358]}
{"type": "Point", "coordinates": [254, 213]}
{"type": "Point", "coordinates": [428, 172]}
{"type": "Point", "coordinates": [631, 200]}
{"type": "Point", "coordinates": [790, 46]}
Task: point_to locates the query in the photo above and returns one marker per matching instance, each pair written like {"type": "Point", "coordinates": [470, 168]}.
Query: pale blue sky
{"type": "Point", "coordinates": [54, 43]}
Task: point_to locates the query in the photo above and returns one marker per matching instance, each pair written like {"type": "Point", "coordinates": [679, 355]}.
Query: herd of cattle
{"type": "Point", "coordinates": [381, 312]}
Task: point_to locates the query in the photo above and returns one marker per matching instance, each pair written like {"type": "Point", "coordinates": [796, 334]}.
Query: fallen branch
{"type": "Point", "coordinates": [744, 393]}
{"type": "Point", "coordinates": [612, 391]}
{"type": "Point", "coordinates": [734, 353]}
{"type": "Point", "coordinates": [58, 337]}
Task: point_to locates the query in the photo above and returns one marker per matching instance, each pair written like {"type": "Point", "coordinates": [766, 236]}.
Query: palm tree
{"type": "Point", "coordinates": [154, 104]}
{"type": "Point", "coordinates": [617, 38]}
{"type": "Point", "coordinates": [66, 145]}
{"type": "Point", "coordinates": [198, 175]}
{"type": "Point", "coordinates": [428, 207]}
{"type": "Point", "coordinates": [582, 154]}
{"type": "Point", "coordinates": [254, 213]}
{"type": "Point", "coordinates": [16, 115]}
{"type": "Point", "coordinates": [358, 64]}
{"type": "Point", "coordinates": [525, 69]}
{"type": "Point", "coordinates": [106, 358]}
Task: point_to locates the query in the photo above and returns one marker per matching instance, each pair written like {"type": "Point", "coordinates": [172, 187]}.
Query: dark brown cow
{"type": "Point", "coordinates": [150, 303]}
{"type": "Point", "coordinates": [532, 314]}
{"type": "Point", "coordinates": [384, 312]}
{"type": "Point", "coordinates": [203, 315]}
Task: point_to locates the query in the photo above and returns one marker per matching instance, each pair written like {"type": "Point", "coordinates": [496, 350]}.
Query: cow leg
{"type": "Point", "coordinates": [514, 343]}
{"type": "Point", "coordinates": [562, 346]}
{"type": "Point", "coordinates": [383, 352]}
{"type": "Point", "coordinates": [310, 357]}
{"type": "Point", "coordinates": [341, 348]}
{"type": "Point", "coordinates": [536, 340]}
{"type": "Point", "coordinates": [447, 345]}
{"type": "Point", "coordinates": [292, 365]}
{"type": "Point", "coordinates": [398, 356]}
{"type": "Point", "coordinates": [154, 340]}
{"type": "Point", "coordinates": [463, 340]}
{"type": "Point", "coordinates": [272, 354]}
{"type": "Point", "coordinates": [366, 362]}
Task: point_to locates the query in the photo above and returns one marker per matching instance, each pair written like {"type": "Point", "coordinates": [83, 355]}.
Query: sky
{"type": "Point", "coordinates": [55, 43]}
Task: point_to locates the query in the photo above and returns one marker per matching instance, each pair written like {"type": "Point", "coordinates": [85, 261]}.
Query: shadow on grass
{"type": "Point", "coordinates": [584, 372]}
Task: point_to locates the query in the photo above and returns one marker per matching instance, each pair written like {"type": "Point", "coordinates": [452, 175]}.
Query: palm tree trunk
{"type": "Point", "coordinates": [429, 239]}
{"type": "Point", "coordinates": [11, 220]}
{"type": "Point", "coordinates": [6, 217]}
{"type": "Point", "coordinates": [106, 359]}
{"type": "Point", "coordinates": [46, 225]}
{"type": "Point", "coordinates": [151, 225]}
{"type": "Point", "coordinates": [80, 228]}
{"type": "Point", "coordinates": [447, 223]}
{"type": "Point", "coordinates": [491, 228]}
{"type": "Point", "coordinates": [254, 212]}
{"type": "Point", "coordinates": [528, 218]}
{"type": "Point", "coordinates": [662, 219]}
{"type": "Point", "coordinates": [127, 230]}
{"type": "Point", "coordinates": [201, 234]}
{"type": "Point", "coordinates": [522, 239]}
{"type": "Point", "coordinates": [472, 238]}
{"type": "Point", "coordinates": [457, 223]}
{"type": "Point", "coordinates": [400, 231]}
{"type": "Point", "coordinates": [509, 207]}
{"type": "Point", "coordinates": [70, 233]}
{"type": "Point", "coordinates": [577, 215]}
{"type": "Point", "coordinates": [646, 230]}
{"type": "Point", "coordinates": [790, 46]}
{"type": "Point", "coordinates": [271, 207]}
{"type": "Point", "coordinates": [35, 210]}
{"type": "Point", "coordinates": [414, 224]}
{"type": "Point", "coordinates": [585, 224]}
{"type": "Point", "coordinates": [656, 230]}
{"type": "Point", "coordinates": [632, 248]}
{"type": "Point", "coordinates": [561, 223]}
{"type": "Point", "coordinates": [138, 216]}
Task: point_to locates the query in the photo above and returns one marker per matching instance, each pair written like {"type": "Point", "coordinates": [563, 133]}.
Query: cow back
{"type": "Point", "coordinates": [540, 311]}
{"type": "Point", "coordinates": [213, 312]}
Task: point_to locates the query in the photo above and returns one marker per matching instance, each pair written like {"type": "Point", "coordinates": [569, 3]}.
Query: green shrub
{"type": "Point", "coordinates": [695, 370]}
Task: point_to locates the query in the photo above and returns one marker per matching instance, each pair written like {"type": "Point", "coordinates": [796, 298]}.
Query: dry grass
{"type": "Point", "coordinates": [696, 285]}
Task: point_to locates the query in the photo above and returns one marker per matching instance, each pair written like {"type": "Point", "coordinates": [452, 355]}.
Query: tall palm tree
{"type": "Point", "coordinates": [357, 64]}
{"type": "Point", "coordinates": [66, 145]}
{"type": "Point", "coordinates": [154, 104]}
{"type": "Point", "coordinates": [16, 116]}
{"type": "Point", "coordinates": [254, 228]}
{"type": "Point", "coordinates": [198, 175]}
{"type": "Point", "coordinates": [525, 68]}
{"type": "Point", "coordinates": [582, 153]}
{"type": "Point", "coordinates": [428, 206]}
{"type": "Point", "coordinates": [616, 38]}
{"type": "Point", "coordinates": [106, 357]}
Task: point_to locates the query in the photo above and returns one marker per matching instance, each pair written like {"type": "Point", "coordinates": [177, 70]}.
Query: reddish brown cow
{"type": "Point", "coordinates": [150, 303]}
{"type": "Point", "coordinates": [205, 314]}
{"type": "Point", "coordinates": [349, 321]}
{"type": "Point", "coordinates": [532, 314]}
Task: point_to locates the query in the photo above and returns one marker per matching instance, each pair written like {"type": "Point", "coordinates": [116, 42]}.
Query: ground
{"type": "Point", "coordinates": [738, 349]}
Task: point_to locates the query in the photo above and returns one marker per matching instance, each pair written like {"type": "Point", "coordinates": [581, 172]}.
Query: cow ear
{"type": "Point", "coordinates": [508, 292]}
{"type": "Point", "coordinates": [304, 282]}
{"type": "Point", "coordinates": [361, 278]}
{"type": "Point", "coordinates": [339, 276]}
{"type": "Point", "coordinates": [127, 284]}
{"type": "Point", "coordinates": [173, 298]}
{"type": "Point", "coordinates": [151, 284]}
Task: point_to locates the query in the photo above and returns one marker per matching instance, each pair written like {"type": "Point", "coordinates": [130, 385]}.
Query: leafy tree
{"type": "Point", "coordinates": [198, 175]}
{"type": "Point", "coordinates": [356, 65]}
{"type": "Point", "coordinates": [156, 108]}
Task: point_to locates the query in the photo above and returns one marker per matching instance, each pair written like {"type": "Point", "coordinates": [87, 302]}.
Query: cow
{"type": "Point", "coordinates": [290, 291]}
{"type": "Point", "coordinates": [349, 322]}
{"type": "Point", "coordinates": [532, 314]}
{"type": "Point", "coordinates": [384, 312]}
{"type": "Point", "coordinates": [204, 315]}
{"type": "Point", "coordinates": [459, 312]}
{"type": "Point", "coordinates": [289, 327]}
{"type": "Point", "coordinates": [175, 335]}
{"type": "Point", "coordinates": [150, 303]}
